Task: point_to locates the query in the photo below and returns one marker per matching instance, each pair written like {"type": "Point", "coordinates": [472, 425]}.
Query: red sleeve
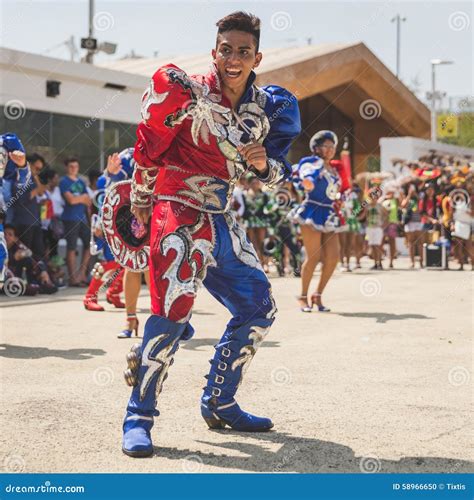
{"type": "Point", "coordinates": [163, 111]}
{"type": "Point", "coordinates": [343, 174]}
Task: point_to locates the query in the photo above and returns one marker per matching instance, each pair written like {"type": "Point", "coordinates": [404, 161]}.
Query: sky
{"type": "Point", "coordinates": [432, 30]}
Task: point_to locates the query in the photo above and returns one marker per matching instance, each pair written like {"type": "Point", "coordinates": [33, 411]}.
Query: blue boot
{"type": "Point", "coordinates": [148, 366]}
{"type": "Point", "coordinates": [233, 355]}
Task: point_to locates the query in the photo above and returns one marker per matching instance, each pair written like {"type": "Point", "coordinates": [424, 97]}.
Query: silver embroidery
{"type": "Point", "coordinates": [140, 195]}
{"type": "Point", "coordinates": [182, 242]}
{"type": "Point", "coordinates": [271, 314]}
{"type": "Point", "coordinates": [149, 98]}
{"type": "Point", "coordinates": [203, 193]}
{"type": "Point", "coordinates": [158, 364]}
{"type": "Point", "coordinates": [276, 173]}
{"type": "Point", "coordinates": [206, 116]}
{"type": "Point", "coordinates": [243, 249]}
{"type": "Point", "coordinates": [256, 336]}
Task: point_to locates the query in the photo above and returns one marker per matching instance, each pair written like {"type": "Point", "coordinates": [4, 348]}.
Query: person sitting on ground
{"type": "Point", "coordinates": [22, 265]}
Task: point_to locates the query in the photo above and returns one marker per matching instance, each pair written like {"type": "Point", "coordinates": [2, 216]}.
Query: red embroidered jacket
{"type": "Point", "coordinates": [186, 147]}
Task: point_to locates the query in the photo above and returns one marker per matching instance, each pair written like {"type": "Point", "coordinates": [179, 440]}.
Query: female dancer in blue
{"type": "Point", "coordinates": [319, 216]}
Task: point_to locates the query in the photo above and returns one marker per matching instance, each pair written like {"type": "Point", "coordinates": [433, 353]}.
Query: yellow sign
{"type": "Point", "coordinates": [447, 125]}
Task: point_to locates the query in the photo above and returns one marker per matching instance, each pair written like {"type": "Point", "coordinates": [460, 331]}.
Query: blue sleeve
{"type": "Point", "coordinates": [10, 171]}
{"type": "Point", "coordinates": [11, 143]}
{"type": "Point", "coordinates": [64, 185]}
{"type": "Point", "coordinates": [3, 250]}
{"type": "Point", "coordinates": [22, 192]}
{"type": "Point", "coordinates": [110, 179]}
{"type": "Point", "coordinates": [285, 125]}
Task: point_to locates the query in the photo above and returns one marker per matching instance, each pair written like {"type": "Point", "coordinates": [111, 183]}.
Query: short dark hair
{"type": "Point", "coordinates": [45, 174]}
{"type": "Point", "coordinates": [10, 226]}
{"type": "Point", "coordinates": [34, 158]}
{"type": "Point", "coordinates": [93, 175]}
{"type": "Point", "coordinates": [240, 21]}
{"type": "Point", "coordinates": [70, 159]}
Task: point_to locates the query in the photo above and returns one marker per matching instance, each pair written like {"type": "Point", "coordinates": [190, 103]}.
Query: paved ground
{"type": "Point", "coordinates": [382, 383]}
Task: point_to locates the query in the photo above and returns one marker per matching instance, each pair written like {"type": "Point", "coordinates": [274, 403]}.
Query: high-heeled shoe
{"type": "Point", "coordinates": [132, 327]}
{"type": "Point", "coordinates": [304, 308]}
{"type": "Point", "coordinates": [314, 301]}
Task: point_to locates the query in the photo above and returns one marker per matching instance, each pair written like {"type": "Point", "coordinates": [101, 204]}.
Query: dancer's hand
{"type": "Point", "coordinates": [18, 157]}
{"type": "Point", "coordinates": [254, 154]}
{"type": "Point", "coordinates": [114, 164]}
{"type": "Point", "coordinates": [142, 214]}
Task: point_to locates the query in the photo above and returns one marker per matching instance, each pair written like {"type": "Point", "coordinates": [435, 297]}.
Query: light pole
{"type": "Point", "coordinates": [434, 95]}
{"type": "Point", "coordinates": [90, 52]}
{"type": "Point", "coordinates": [398, 19]}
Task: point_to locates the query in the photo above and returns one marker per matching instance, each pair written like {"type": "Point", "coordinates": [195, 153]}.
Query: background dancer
{"type": "Point", "coordinates": [106, 274]}
{"type": "Point", "coordinates": [193, 145]}
{"type": "Point", "coordinates": [319, 216]}
{"type": "Point", "coordinates": [120, 167]}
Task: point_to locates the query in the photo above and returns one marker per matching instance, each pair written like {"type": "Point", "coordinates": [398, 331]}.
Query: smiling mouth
{"type": "Point", "coordinates": [233, 73]}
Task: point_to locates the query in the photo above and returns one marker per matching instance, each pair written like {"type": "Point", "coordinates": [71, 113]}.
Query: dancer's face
{"type": "Point", "coordinates": [236, 56]}
{"type": "Point", "coordinates": [327, 150]}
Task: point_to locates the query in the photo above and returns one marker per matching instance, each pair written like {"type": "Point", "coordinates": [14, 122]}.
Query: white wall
{"type": "Point", "coordinates": [82, 92]}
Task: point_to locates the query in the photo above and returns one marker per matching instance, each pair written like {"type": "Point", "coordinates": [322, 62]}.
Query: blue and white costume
{"type": "Point", "coordinates": [9, 172]}
{"type": "Point", "coordinates": [126, 172]}
{"type": "Point", "coordinates": [103, 183]}
{"type": "Point", "coordinates": [318, 209]}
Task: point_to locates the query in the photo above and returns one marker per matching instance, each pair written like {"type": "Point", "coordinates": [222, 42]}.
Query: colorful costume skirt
{"type": "Point", "coordinates": [320, 216]}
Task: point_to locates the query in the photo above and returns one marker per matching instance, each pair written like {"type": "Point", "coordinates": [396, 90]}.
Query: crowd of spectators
{"type": "Point", "coordinates": [430, 202]}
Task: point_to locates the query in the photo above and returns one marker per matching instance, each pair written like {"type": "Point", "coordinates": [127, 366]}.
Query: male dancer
{"type": "Point", "coordinates": [197, 136]}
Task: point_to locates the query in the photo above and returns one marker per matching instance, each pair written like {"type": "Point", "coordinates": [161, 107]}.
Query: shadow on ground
{"type": "Point", "coordinates": [22, 352]}
{"type": "Point", "coordinates": [382, 317]}
{"type": "Point", "coordinates": [195, 343]}
{"type": "Point", "coordinates": [296, 454]}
